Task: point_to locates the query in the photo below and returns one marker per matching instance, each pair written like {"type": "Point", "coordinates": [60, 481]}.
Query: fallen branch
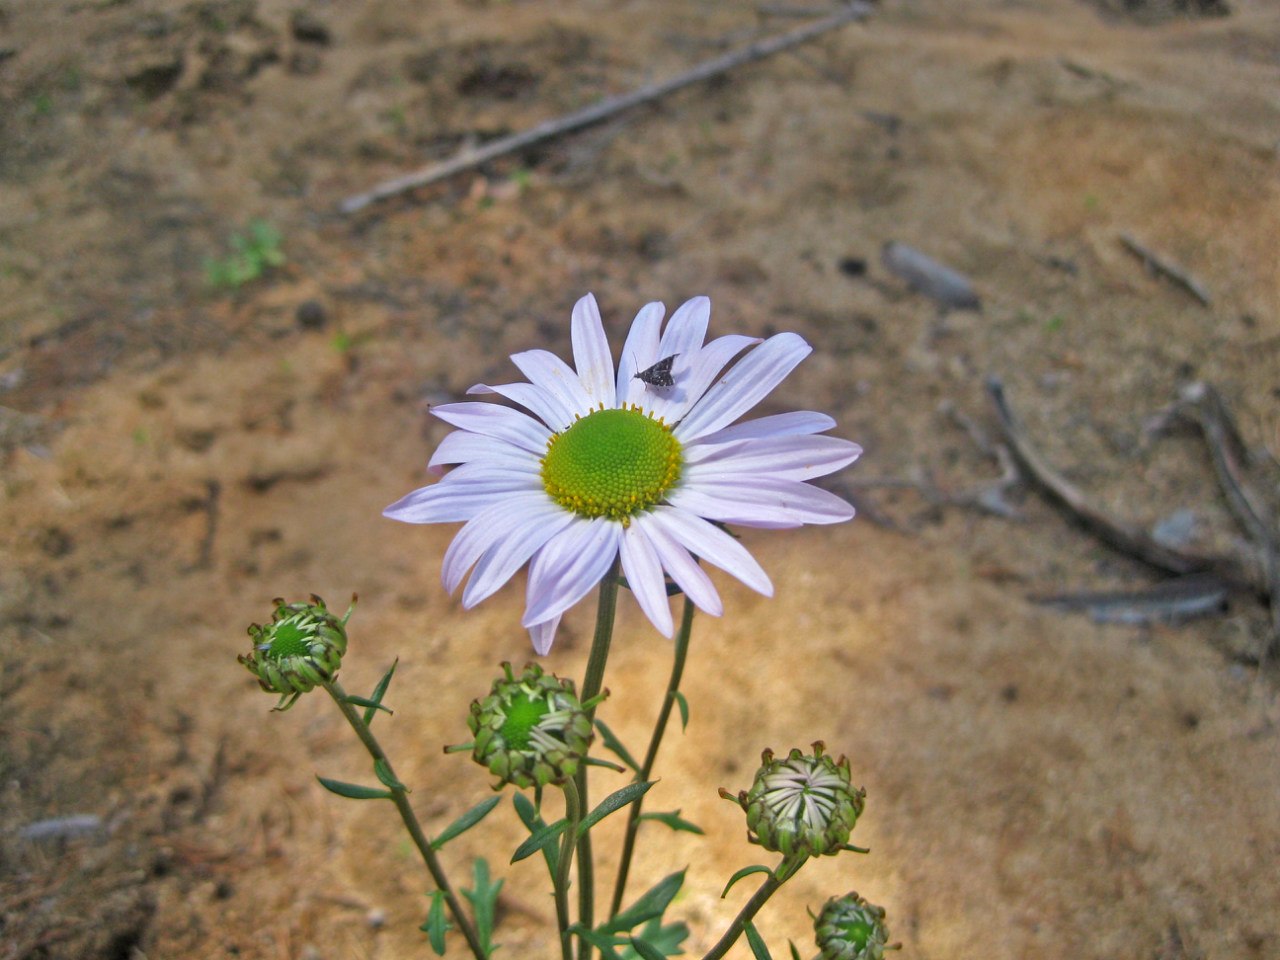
{"type": "Point", "coordinates": [604, 109]}
{"type": "Point", "coordinates": [1171, 601]}
{"type": "Point", "coordinates": [1156, 265]}
{"type": "Point", "coordinates": [1243, 567]}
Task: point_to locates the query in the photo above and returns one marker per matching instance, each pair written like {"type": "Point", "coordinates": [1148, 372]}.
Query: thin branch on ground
{"type": "Point", "coordinates": [1159, 266]}
{"type": "Point", "coordinates": [604, 109]}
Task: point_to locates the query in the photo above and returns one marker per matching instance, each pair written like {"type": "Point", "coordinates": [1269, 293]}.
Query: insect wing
{"type": "Point", "coordinates": [659, 375]}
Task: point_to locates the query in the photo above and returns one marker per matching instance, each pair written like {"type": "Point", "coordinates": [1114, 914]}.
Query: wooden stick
{"type": "Point", "coordinates": [1243, 568]}
{"type": "Point", "coordinates": [604, 109]}
{"type": "Point", "coordinates": [1165, 269]}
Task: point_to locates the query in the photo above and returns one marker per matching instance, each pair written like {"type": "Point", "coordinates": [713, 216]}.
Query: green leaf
{"type": "Point", "coordinates": [744, 872]}
{"type": "Point", "coordinates": [646, 950]}
{"type": "Point", "coordinates": [437, 923]}
{"type": "Point", "coordinates": [651, 905]}
{"type": "Point", "coordinates": [353, 791]}
{"type": "Point", "coordinates": [466, 821]}
{"type": "Point", "coordinates": [674, 821]}
{"type": "Point", "coordinates": [483, 898]}
{"type": "Point", "coordinates": [795, 954]}
{"type": "Point", "coordinates": [665, 939]}
{"type": "Point", "coordinates": [382, 770]}
{"type": "Point", "coordinates": [613, 743]}
{"type": "Point", "coordinates": [528, 815]}
{"type": "Point", "coordinates": [683, 704]}
{"type": "Point", "coordinates": [602, 942]}
{"type": "Point", "coordinates": [541, 837]}
{"type": "Point", "coordinates": [379, 692]}
{"type": "Point", "coordinates": [614, 801]}
{"type": "Point", "coordinates": [365, 702]}
{"type": "Point", "coordinates": [756, 942]}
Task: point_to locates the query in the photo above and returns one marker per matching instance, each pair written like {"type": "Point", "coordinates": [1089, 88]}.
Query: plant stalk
{"type": "Point", "coordinates": [592, 683]}
{"type": "Point", "coordinates": [573, 813]}
{"type": "Point", "coordinates": [650, 758]}
{"type": "Point", "coordinates": [785, 870]}
{"type": "Point", "coordinates": [399, 796]}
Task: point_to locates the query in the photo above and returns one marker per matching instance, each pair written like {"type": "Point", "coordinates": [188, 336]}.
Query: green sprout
{"type": "Point", "coordinates": [252, 254]}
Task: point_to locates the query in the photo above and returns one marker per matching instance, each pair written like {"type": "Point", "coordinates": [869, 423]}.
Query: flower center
{"type": "Point", "coordinates": [523, 715]}
{"type": "Point", "coordinates": [612, 463]}
{"type": "Point", "coordinates": [288, 639]}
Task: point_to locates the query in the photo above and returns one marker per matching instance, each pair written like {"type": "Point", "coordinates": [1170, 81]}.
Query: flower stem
{"type": "Point", "coordinates": [650, 758]}
{"type": "Point", "coordinates": [592, 682]}
{"type": "Point", "coordinates": [399, 796]}
{"type": "Point", "coordinates": [573, 812]}
{"type": "Point", "coordinates": [785, 870]}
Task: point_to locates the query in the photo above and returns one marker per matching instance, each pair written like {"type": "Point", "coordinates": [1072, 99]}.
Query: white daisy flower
{"type": "Point", "coordinates": [618, 464]}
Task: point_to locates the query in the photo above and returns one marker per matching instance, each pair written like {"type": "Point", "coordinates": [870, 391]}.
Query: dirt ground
{"type": "Point", "coordinates": [176, 452]}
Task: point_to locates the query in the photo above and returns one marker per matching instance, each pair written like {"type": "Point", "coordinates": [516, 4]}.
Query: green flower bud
{"type": "Point", "coordinates": [300, 649]}
{"type": "Point", "coordinates": [849, 928]}
{"type": "Point", "coordinates": [530, 730]}
{"type": "Point", "coordinates": [803, 805]}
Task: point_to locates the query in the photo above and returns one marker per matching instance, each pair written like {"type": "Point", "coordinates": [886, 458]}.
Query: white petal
{"type": "Point", "coordinates": [499, 520]}
{"type": "Point", "coordinates": [684, 570]}
{"type": "Point", "coordinates": [497, 421]}
{"type": "Point", "coordinates": [693, 375]}
{"type": "Point", "coordinates": [568, 566]}
{"type": "Point", "coordinates": [534, 528]}
{"type": "Point", "coordinates": [548, 372]}
{"type": "Point", "coordinates": [640, 351]}
{"type": "Point", "coordinates": [461, 495]}
{"type": "Point", "coordinates": [796, 423]}
{"type": "Point", "coordinates": [747, 383]}
{"type": "Point", "coordinates": [787, 458]}
{"type": "Point", "coordinates": [553, 413]}
{"type": "Point", "coordinates": [760, 501]}
{"type": "Point", "coordinates": [462, 446]}
{"type": "Point", "coordinates": [543, 635]}
{"type": "Point", "coordinates": [713, 545]}
{"type": "Point", "coordinates": [643, 571]}
{"type": "Point", "coordinates": [591, 352]}
{"type": "Point", "coordinates": [686, 329]}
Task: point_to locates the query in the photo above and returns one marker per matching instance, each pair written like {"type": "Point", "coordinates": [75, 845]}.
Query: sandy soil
{"type": "Point", "coordinates": [176, 454]}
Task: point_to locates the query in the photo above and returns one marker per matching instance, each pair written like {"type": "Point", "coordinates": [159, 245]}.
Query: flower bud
{"type": "Point", "coordinates": [803, 805]}
{"type": "Point", "coordinates": [298, 650]}
{"type": "Point", "coordinates": [530, 730]}
{"type": "Point", "coordinates": [849, 928]}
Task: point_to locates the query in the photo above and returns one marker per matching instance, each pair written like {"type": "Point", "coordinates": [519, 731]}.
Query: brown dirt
{"type": "Point", "coordinates": [176, 455]}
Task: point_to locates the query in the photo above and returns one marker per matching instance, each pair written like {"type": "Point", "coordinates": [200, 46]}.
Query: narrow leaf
{"type": "Point", "coordinates": [646, 950]}
{"type": "Point", "coordinates": [744, 872]}
{"type": "Point", "coordinates": [366, 702]}
{"type": "Point", "coordinates": [650, 905]}
{"type": "Point", "coordinates": [683, 704]}
{"type": "Point", "coordinates": [674, 821]}
{"type": "Point", "coordinates": [465, 822]}
{"type": "Point", "coordinates": [528, 815]}
{"type": "Point", "coordinates": [666, 939]}
{"type": "Point", "coordinates": [613, 743]}
{"type": "Point", "coordinates": [756, 942]}
{"type": "Point", "coordinates": [483, 898]}
{"type": "Point", "coordinates": [795, 954]}
{"type": "Point", "coordinates": [437, 923]}
{"type": "Point", "coordinates": [353, 791]}
{"type": "Point", "coordinates": [379, 692]}
{"type": "Point", "coordinates": [605, 944]}
{"type": "Point", "coordinates": [383, 771]}
{"type": "Point", "coordinates": [614, 801]}
{"type": "Point", "coordinates": [541, 837]}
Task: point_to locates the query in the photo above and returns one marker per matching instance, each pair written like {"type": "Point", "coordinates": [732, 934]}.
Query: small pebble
{"type": "Point", "coordinates": [311, 315]}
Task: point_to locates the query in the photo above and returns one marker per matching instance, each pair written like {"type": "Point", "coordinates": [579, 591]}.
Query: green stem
{"type": "Point", "coordinates": [592, 682]}
{"type": "Point", "coordinates": [785, 870]}
{"type": "Point", "coordinates": [650, 758]}
{"type": "Point", "coordinates": [573, 812]}
{"type": "Point", "coordinates": [399, 796]}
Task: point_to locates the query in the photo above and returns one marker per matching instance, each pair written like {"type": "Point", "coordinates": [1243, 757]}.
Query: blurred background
{"type": "Point", "coordinates": [212, 381]}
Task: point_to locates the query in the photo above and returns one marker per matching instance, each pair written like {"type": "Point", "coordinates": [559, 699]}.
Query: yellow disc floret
{"type": "Point", "coordinates": [612, 463]}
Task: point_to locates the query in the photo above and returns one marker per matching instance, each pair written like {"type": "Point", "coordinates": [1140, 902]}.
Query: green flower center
{"type": "Point", "coordinates": [288, 639]}
{"type": "Point", "coordinates": [523, 715]}
{"type": "Point", "coordinates": [612, 463]}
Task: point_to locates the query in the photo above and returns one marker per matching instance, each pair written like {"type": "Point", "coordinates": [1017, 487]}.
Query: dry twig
{"type": "Point", "coordinates": [1157, 265]}
{"type": "Point", "coordinates": [606, 108]}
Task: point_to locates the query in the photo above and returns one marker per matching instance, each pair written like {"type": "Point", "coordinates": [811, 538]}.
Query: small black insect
{"type": "Point", "coordinates": [659, 375]}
